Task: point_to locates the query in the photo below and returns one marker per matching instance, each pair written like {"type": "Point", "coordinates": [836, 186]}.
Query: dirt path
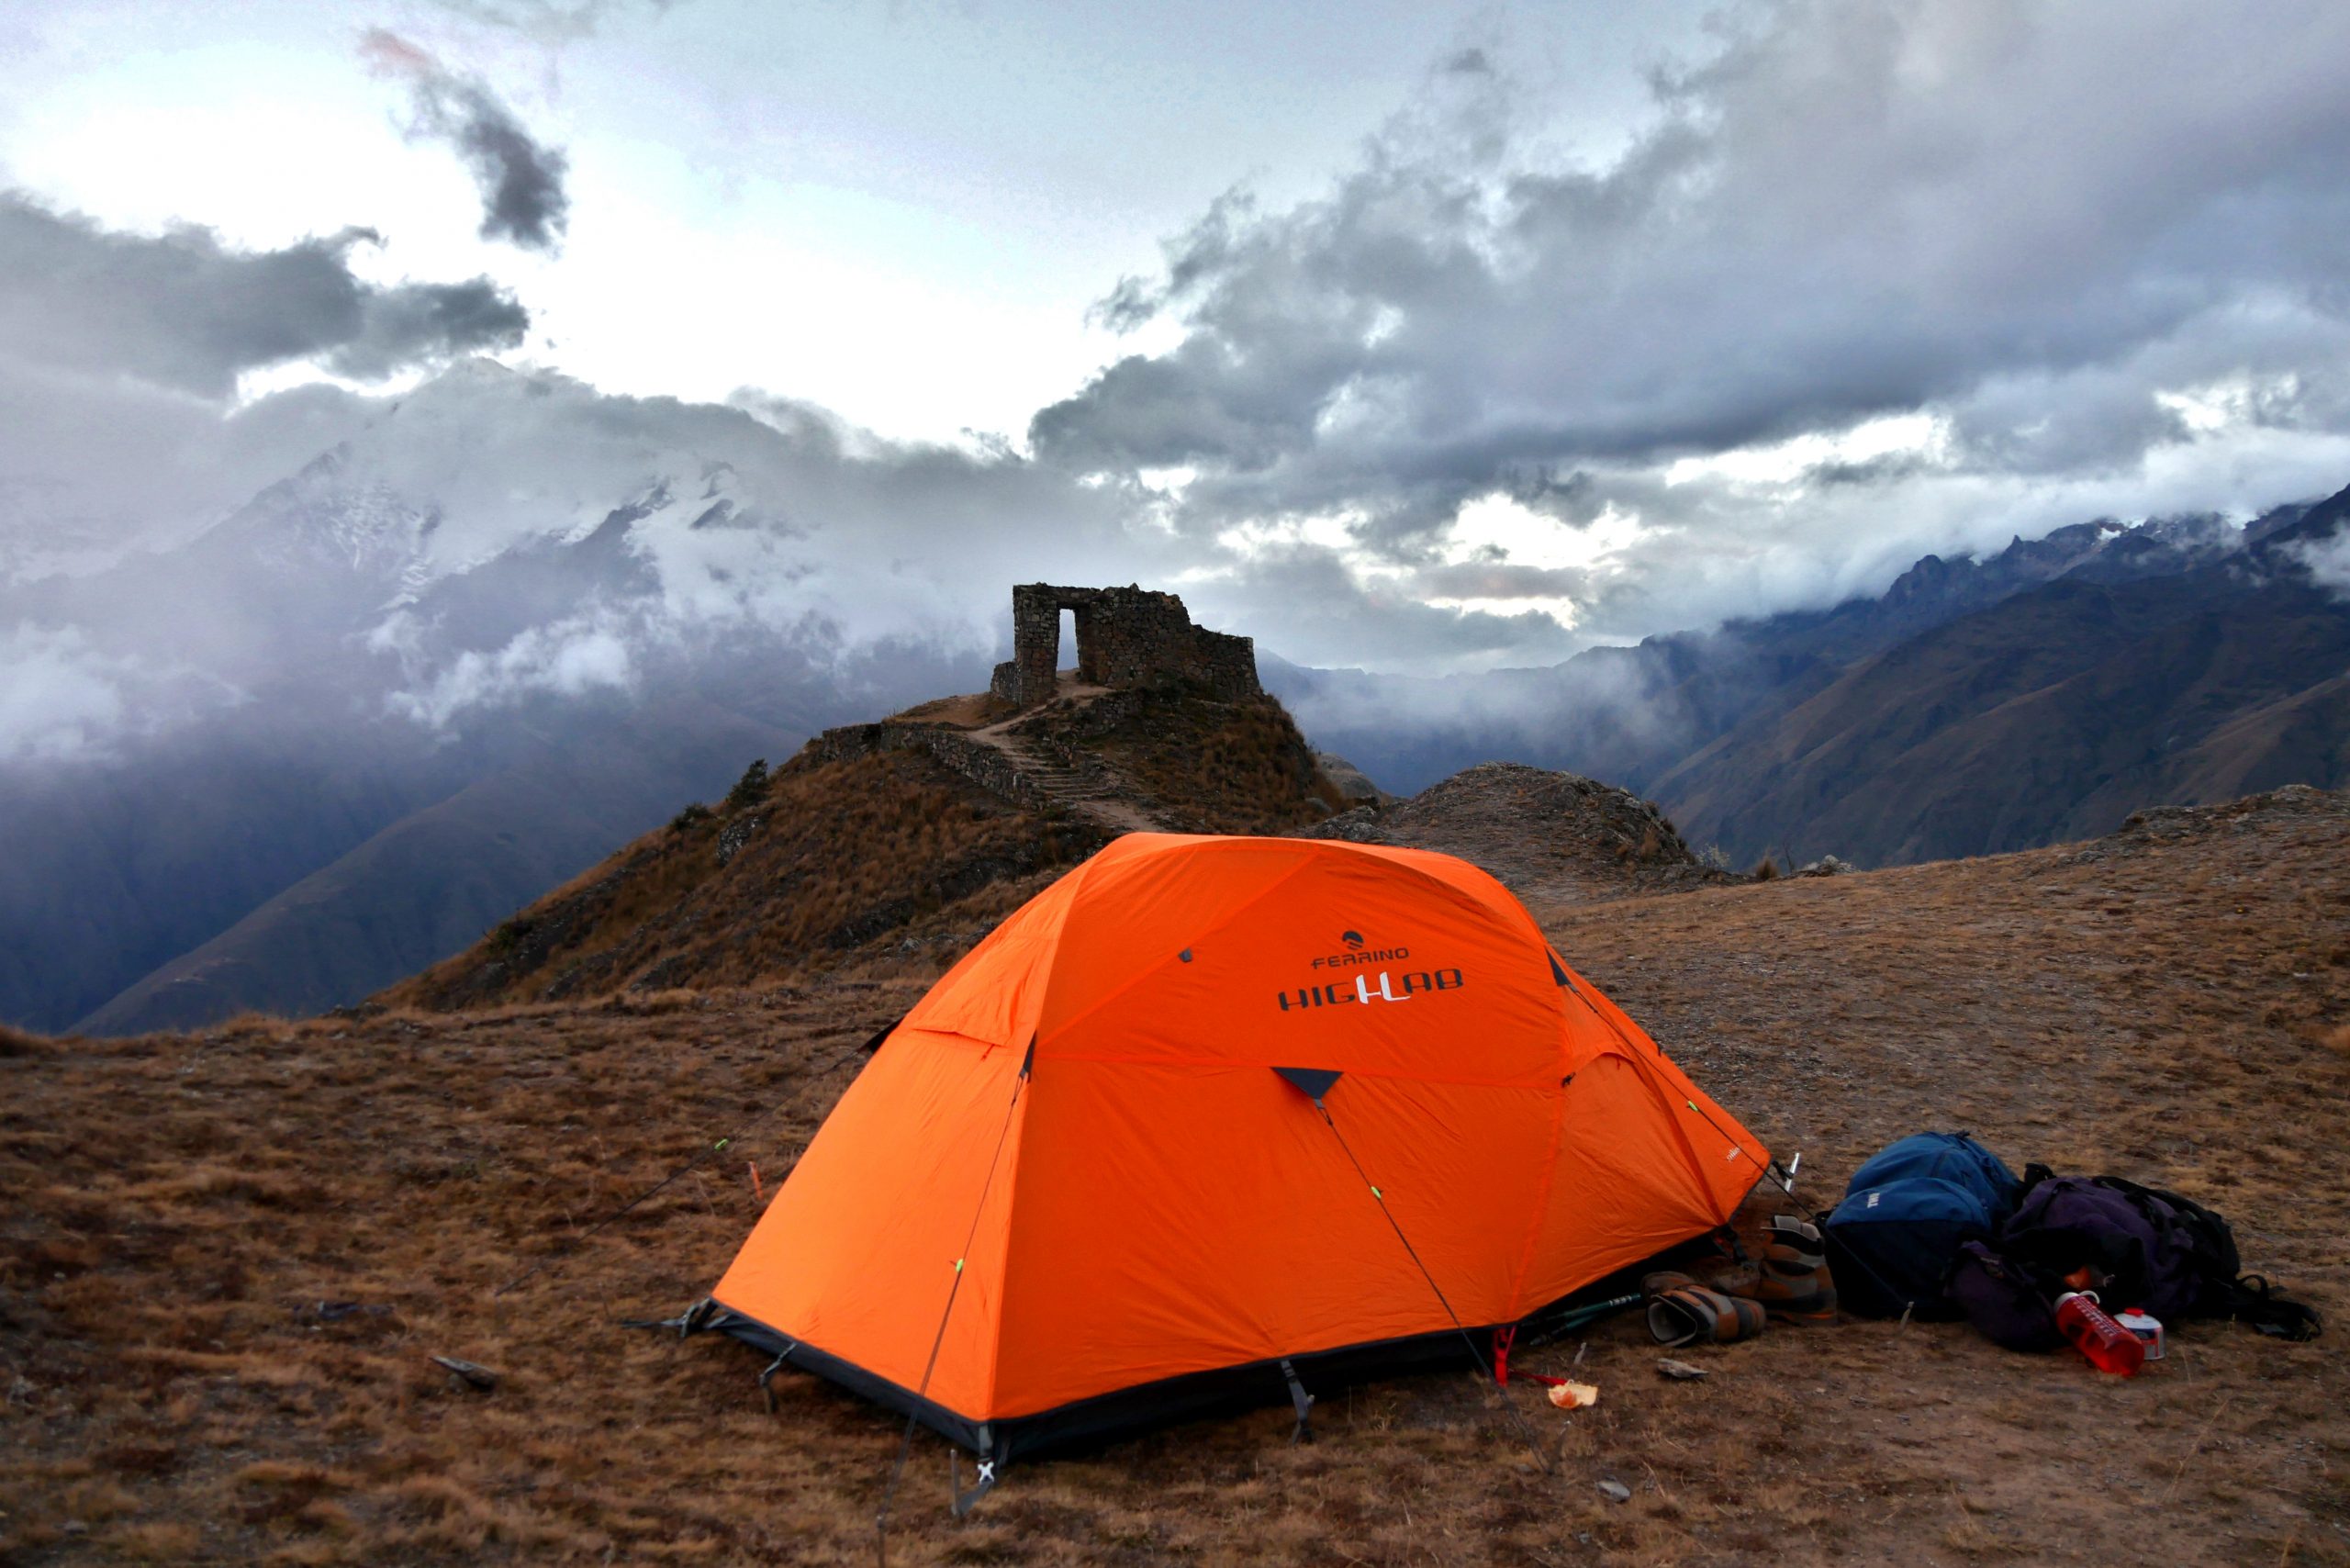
{"type": "Point", "coordinates": [1095, 791]}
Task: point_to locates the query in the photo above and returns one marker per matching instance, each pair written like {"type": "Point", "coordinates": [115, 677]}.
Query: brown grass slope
{"type": "Point", "coordinates": [829, 860]}
{"type": "Point", "coordinates": [2050, 716]}
{"type": "Point", "coordinates": [227, 1256]}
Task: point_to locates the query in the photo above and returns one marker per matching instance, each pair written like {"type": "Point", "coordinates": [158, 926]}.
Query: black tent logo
{"type": "Point", "coordinates": [1351, 938]}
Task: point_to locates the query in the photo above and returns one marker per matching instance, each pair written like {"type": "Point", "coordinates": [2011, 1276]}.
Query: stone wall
{"type": "Point", "coordinates": [983, 765]}
{"type": "Point", "coordinates": [1126, 638]}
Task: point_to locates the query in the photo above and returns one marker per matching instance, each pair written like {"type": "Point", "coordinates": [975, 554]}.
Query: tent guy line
{"type": "Point", "coordinates": [954, 1288]}
{"type": "Point", "coordinates": [1476, 1361]}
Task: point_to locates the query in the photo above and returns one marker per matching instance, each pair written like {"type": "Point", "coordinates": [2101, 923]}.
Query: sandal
{"type": "Point", "coordinates": [1688, 1313]}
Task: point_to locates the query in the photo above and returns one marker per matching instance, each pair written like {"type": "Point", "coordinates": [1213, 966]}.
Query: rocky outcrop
{"type": "Point", "coordinates": [1351, 782]}
{"type": "Point", "coordinates": [1546, 835]}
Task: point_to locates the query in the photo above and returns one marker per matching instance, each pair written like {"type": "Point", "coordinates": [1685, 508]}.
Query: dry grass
{"type": "Point", "coordinates": [835, 856]}
{"type": "Point", "coordinates": [1220, 766]}
{"type": "Point", "coordinates": [180, 1206]}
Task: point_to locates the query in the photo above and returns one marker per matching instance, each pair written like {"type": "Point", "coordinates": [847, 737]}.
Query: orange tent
{"type": "Point", "coordinates": [1130, 1154]}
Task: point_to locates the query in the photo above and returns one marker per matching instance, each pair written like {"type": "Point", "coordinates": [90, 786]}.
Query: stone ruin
{"type": "Point", "coordinates": [1126, 638]}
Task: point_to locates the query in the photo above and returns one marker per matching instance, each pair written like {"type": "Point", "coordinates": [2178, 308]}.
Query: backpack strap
{"type": "Point", "coordinates": [2252, 1300]}
{"type": "Point", "coordinates": [2223, 1292]}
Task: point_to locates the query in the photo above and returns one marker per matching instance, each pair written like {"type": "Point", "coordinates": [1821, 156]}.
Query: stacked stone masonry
{"type": "Point", "coordinates": [983, 765]}
{"type": "Point", "coordinates": [1126, 638]}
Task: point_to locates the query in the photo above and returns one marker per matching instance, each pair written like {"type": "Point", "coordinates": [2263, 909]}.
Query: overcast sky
{"type": "Point", "coordinates": [1414, 336]}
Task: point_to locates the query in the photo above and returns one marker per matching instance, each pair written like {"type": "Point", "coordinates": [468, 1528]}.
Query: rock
{"type": "Point", "coordinates": [1826, 866]}
{"type": "Point", "coordinates": [1360, 825]}
{"type": "Point", "coordinates": [1616, 1490]}
{"type": "Point", "coordinates": [467, 1374]}
{"type": "Point", "coordinates": [1352, 781]}
{"type": "Point", "coordinates": [737, 834]}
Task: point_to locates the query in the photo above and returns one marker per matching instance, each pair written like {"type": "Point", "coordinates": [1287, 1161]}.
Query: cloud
{"type": "Point", "coordinates": [2051, 235]}
{"type": "Point", "coordinates": [56, 704]}
{"type": "Point", "coordinates": [552, 539]}
{"type": "Point", "coordinates": [522, 182]}
{"type": "Point", "coordinates": [571, 657]}
{"type": "Point", "coordinates": [90, 460]}
{"type": "Point", "coordinates": [63, 698]}
{"type": "Point", "coordinates": [1873, 281]}
{"type": "Point", "coordinates": [181, 310]}
{"type": "Point", "coordinates": [552, 23]}
{"type": "Point", "coordinates": [121, 356]}
{"type": "Point", "coordinates": [2328, 561]}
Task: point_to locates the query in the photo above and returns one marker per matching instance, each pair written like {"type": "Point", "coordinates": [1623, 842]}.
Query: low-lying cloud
{"type": "Point", "coordinates": [2328, 561]}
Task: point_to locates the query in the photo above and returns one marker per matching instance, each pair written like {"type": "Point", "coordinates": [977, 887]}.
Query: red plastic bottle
{"type": "Point", "coordinates": [2109, 1347]}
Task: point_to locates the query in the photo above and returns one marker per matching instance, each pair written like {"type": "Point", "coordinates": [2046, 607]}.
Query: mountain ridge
{"type": "Point", "coordinates": [364, 642]}
{"type": "Point", "coordinates": [1696, 720]}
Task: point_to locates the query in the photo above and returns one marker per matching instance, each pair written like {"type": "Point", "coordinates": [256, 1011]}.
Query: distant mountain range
{"type": "Point", "coordinates": [1974, 707]}
{"type": "Point", "coordinates": [461, 658]}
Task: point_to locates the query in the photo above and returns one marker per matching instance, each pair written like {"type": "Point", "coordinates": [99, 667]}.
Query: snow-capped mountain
{"type": "Point", "coordinates": [508, 623]}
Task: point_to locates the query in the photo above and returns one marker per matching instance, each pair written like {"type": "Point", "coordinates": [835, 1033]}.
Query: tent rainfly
{"type": "Point", "coordinates": [1129, 1156]}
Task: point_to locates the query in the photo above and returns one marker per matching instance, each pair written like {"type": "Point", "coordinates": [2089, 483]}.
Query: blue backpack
{"type": "Point", "coordinates": [1905, 1213]}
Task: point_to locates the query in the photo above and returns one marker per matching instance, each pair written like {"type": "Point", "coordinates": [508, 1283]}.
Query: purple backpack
{"type": "Point", "coordinates": [2005, 1303]}
{"type": "Point", "coordinates": [2140, 1247]}
{"type": "Point", "coordinates": [2143, 1247]}
{"type": "Point", "coordinates": [2137, 1248]}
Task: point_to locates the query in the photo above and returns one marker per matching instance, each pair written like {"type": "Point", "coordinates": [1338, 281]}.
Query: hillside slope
{"type": "Point", "coordinates": [429, 882]}
{"type": "Point", "coordinates": [2051, 716]}
{"type": "Point", "coordinates": [913, 835]}
{"type": "Point", "coordinates": [114, 872]}
{"type": "Point", "coordinates": [233, 1253]}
